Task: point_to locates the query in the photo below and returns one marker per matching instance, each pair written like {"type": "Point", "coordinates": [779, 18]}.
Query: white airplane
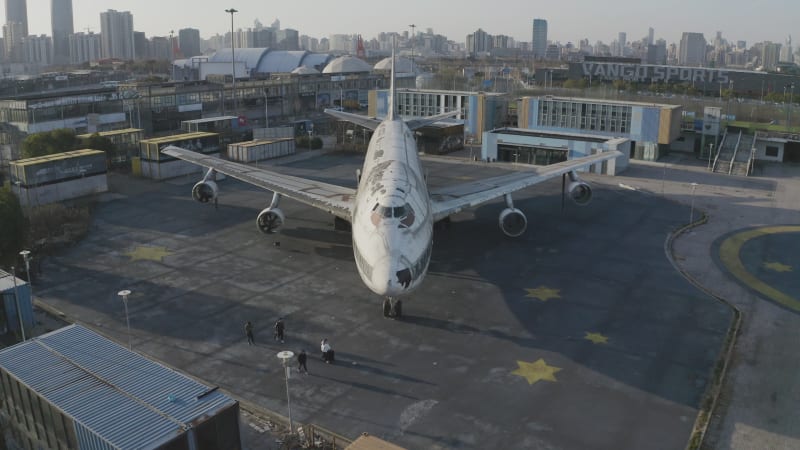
{"type": "Point", "coordinates": [391, 213]}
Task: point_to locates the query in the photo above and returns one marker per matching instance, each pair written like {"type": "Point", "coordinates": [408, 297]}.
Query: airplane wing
{"type": "Point", "coordinates": [364, 121]}
{"type": "Point", "coordinates": [337, 200]}
{"type": "Point", "coordinates": [449, 200]}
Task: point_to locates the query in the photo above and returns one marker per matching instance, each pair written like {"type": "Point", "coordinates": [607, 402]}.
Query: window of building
{"type": "Point", "coordinates": [772, 151]}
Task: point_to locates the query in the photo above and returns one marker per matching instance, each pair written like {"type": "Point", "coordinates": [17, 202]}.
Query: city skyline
{"type": "Point", "coordinates": [593, 21]}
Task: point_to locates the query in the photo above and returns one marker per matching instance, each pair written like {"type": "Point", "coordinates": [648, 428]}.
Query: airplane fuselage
{"type": "Point", "coordinates": [392, 220]}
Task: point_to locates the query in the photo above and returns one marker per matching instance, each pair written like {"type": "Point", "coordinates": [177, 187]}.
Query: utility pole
{"type": "Point", "coordinates": [413, 36]}
{"type": "Point", "coordinates": [232, 11]}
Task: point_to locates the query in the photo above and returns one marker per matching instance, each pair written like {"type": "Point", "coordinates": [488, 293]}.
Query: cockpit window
{"type": "Point", "coordinates": [404, 213]}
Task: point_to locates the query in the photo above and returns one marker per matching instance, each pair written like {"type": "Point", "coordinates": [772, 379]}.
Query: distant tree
{"type": "Point", "coordinates": [49, 143]}
{"type": "Point", "coordinates": [97, 142]}
{"type": "Point", "coordinates": [12, 227]}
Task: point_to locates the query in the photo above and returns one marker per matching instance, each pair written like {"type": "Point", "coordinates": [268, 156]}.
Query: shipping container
{"type": "Point", "coordinates": [206, 143]}
{"type": "Point", "coordinates": [72, 388]}
{"type": "Point", "coordinates": [260, 134]}
{"type": "Point", "coordinates": [222, 124]}
{"type": "Point", "coordinates": [261, 150]}
{"type": "Point", "coordinates": [57, 168]}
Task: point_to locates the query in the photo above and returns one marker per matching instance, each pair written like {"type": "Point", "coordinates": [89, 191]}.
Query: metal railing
{"type": "Point", "coordinates": [719, 150]}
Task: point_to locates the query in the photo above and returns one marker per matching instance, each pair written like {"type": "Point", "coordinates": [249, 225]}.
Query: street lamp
{"type": "Point", "coordinates": [124, 294]}
{"type": "Point", "coordinates": [710, 150]}
{"type": "Point", "coordinates": [413, 35]}
{"type": "Point", "coordinates": [285, 356]}
{"type": "Point", "coordinates": [26, 256]}
{"type": "Point", "coordinates": [791, 105]}
{"type": "Point", "coordinates": [233, 58]}
{"type": "Point", "coordinates": [16, 299]}
{"type": "Point", "coordinates": [172, 51]}
{"type": "Point", "coordinates": [691, 208]}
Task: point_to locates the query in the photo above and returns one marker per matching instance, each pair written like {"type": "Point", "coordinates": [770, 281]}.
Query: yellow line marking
{"type": "Point", "coordinates": [729, 253]}
{"type": "Point", "coordinates": [777, 267]}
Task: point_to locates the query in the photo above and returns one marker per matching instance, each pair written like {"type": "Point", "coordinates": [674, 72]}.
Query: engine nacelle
{"type": "Point", "coordinates": [205, 191]}
{"type": "Point", "coordinates": [270, 220]}
{"type": "Point", "coordinates": [513, 222]}
{"type": "Point", "coordinates": [580, 192]}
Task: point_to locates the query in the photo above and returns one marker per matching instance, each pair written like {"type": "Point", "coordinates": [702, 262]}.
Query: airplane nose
{"type": "Point", "coordinates": [382, 277]}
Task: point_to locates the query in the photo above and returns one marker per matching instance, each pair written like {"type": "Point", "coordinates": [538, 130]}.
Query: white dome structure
{"type": "Point", "coordinates": [305, 70]}
{"type": "Point", "coordinates": [401, 65]}
{"type": "Point", "coordinates": [347, 64]}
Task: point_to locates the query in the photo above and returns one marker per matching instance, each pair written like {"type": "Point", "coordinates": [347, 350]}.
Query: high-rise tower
{"type": "Point", "coordinates": [17, 12]}
{"type": "Point", "coordinates": [61, 21]}
{"type": "Point", "coordinates": [539, 38]}
{"type": "Point", "coordinates": [116, 34]}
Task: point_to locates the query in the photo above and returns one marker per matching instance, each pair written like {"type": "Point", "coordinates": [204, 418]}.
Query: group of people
{"type": "Point", "coordinates": [278, 334]}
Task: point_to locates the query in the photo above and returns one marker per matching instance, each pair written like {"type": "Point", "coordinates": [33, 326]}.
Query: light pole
{"type": "Point", "coordinates": [26, 256]}
{"type": "Point", "coordinates": [16, 299]}
{"type": "Point", "coordinates": [124, 294]}
{"type": "Point", "coordinates": [413, 35]}
{"type": "Point", "coordinates": [266, 112]}
{"type": "Point", "coordinates": [172, 51]}
{"type": "Point", "coordinates": [285, 356]}
{"type": "Point", "coordinates": [233, 59]}
{"type": "Point", "coordinates": [791, 105]}
{"type": "Point", "coordinates": [691, 207]}
{"type": "Point", "coordinates": [710, 150]}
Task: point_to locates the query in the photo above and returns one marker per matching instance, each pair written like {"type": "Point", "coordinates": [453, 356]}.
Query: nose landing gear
{"type": "Point", "coordinates": [392, 308]}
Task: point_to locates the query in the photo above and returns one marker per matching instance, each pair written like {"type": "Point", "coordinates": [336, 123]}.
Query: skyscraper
{"type": "Point", "coordinates": [693, 50]}
{"type": "Point", "coordinates": [650, 36]}
{"type": "Point", "coordinates": [539, 38]}
{"type": "Point", "coordinates": [622, 42]}
{"type": "Point", "coordinates": [61, 21]}
{"type": "Point", "coordinates": [189, 42]}
{"type": "Point", "coordinates": [17, 11]}
{"type": "Point", "coordinates": [116, 34]}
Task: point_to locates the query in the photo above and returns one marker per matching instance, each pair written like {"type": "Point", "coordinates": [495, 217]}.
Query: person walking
{"type": "Point", "coordinates": [301, 362]}
{"type": "Point", "coordinates": [327, 351]}
{"type": "Point", "coordinates": [248, 330]}
{"type": "Point", "coordinates": [279, 327]}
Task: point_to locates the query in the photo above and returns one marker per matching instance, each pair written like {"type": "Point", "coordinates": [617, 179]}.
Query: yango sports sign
{"type": "Point", "coordinates": [650, 73]}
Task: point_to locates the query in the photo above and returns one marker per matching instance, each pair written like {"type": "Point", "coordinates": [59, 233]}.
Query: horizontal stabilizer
{"type": "Point", "coordinates": [366, 122]}
{"type": "Point", "coordinates": [419, 123]}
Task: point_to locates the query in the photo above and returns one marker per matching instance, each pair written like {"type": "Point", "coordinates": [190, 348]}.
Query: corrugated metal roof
{"type": "Point", "coordinates": [7, 281]}
{"type": "Point", "coordinates": [55, 157]}
{"type": "Point", "coordinates": [110, 133]}
{"type": "Point", "coordinates": [177, 137]}
{"type": "Point", "coordinates": [117, 396]}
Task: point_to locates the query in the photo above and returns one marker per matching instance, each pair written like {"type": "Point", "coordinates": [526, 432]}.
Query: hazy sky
{"type": "Point", "coordinates": [750, 20]}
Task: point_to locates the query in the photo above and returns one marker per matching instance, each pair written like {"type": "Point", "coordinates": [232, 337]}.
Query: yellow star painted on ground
{"type": "Point", "coordinates": [543, 293]}
{"type": "Point", "coordinates": [148, 253]}
{"type": "Point", "coordinates": [597, 338]}
{"type": "Point", "coordinates": [777, 267]}
{"type": "Point", "coordinates": [536, 371]}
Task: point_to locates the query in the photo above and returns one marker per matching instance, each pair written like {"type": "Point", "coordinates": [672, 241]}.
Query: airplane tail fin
{"type": "Point", "coordinates": [390, 106]}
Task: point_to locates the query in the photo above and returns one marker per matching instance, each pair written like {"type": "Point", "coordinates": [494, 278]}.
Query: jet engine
{"type": "Point", "coordinates": [580, 192]}
{"type": "Point", "coordinates": [205, 191]}
{"type": "Point", "coordinates": [270, 220]}
{"type": "Point", "coordinates": [513, 222]}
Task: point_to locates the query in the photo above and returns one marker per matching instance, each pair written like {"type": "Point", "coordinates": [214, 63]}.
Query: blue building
{"type": "Point", "coordinates": [480, 111]}
{"type": "Point", "coordinates": [650, 127]}
{"type": "Point", "coordinates": [74, 389]}
{"type": "Point", "coordinates": [15, 291]}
